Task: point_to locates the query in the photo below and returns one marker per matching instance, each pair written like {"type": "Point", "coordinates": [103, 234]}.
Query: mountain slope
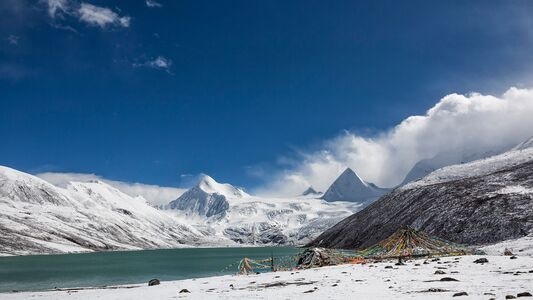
{"type": "Point", "coordinates": [350, 187]}
{"type": "Point", "coordinates": [426, 166]}
{"type": "Point", "coordinates": [224, 211]}
{"type": "Point", "coordinates": [37, 217]}
{"type": "Point", "coordinates": [481, 202]}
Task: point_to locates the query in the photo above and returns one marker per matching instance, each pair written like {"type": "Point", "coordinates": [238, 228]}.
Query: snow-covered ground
{"type": "Point", "coordinates": [521, 246]}
{"type": "Point", "coordinates": [500, 277]}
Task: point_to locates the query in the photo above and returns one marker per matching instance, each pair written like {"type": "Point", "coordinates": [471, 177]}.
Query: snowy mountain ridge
{"type": "Point", "coordinates": [475, 168]}
{"type": "Point", "coordinates": [37, 217]}
{"type": "Point", "coordinates": [227, 212]}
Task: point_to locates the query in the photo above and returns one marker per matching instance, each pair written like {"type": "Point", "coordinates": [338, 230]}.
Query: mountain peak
{"type": "Point", "coordinates": [350, 175]}
{"type": "Point", "coordinates": [310, 191]}
{"type": "Point", "coordinates": [350, 187]}
{"type": "Point", "coordinates": [209, 185]}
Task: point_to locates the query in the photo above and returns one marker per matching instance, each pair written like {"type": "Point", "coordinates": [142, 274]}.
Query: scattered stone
{"type": "Point", "coordinates": [513, 257]}
{"type": "Point", "coordinates": [435, 290]}
{"type": "Point", "coordinates": [489, 294]}
{"type": "Point", "coordinates": [231, 286]}
{"type": "Point", "coordinates": [439, 272]}
{"type": "Point", "coordinates": [399, 264]}
{"type": "Point", "coordinates": [481, 260]}
{"type": "Point", "coordinates": [524, 294]}
{"type": "Point", "coordinates": [454, 272]}
{"type": "Point", "coordinates": [510, 297]}
{"type": "Point", "coordinates": [184, 291]}
{"type": "Point", "coordinates": [448, 279]}
{"type": "Point", "coordinates": [309, 291]}
{"type": "Point", "coordinates": [417, 265]}
{"type": "Point", "coordinates": [153, 282]}
{"type": "Point", "coordinates": [334, 284]}
{"type": "Point", "coordinates": [460, 294]}
{"type": "Point", "coordinates": [388, 267]}
{"type": "Point", "coordinates": [507, 252]}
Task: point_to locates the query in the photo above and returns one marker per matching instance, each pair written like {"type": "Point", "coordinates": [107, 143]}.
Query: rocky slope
{"type": "Point", "coordinates": [481, 202]}
{"type": "Point", "coordinates": [37, 217]}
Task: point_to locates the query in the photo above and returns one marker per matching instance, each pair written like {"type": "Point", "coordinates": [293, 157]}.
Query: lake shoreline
{"type": "Point", "coordinates": [417, 279]}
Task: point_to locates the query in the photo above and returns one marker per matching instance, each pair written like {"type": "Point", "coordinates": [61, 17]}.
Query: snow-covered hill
{"type": "Point", "coordinates": [350, 187]}
{"type": "Point", "coordinates": [38, 217]}
{"type": "Point", "coordinates": [228, 212]}
{"type": "Point", "coordinates": [426, 166]}
{"type": "Point", "coordinates": [481, 202]}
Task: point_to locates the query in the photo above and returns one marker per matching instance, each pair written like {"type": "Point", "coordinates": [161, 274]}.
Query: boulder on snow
{"type": "Point", "coordinates": [153, 282]}
{"type": "Point", "coordinates": [482, 260]}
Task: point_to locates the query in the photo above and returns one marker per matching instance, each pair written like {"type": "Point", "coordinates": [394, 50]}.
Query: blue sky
{"type": "Point", "coordinates": [237, 89]}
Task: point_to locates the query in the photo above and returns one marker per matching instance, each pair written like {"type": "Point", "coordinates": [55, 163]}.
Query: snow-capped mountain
{"type": "Point", "coordinates": [426, 166]}
{"type": "Point", "coordinates": [350, 187]}
{"type": "Point", "coordinates": [481, 202]}
{"type": "Point", "coordinates": [311, 192]}
{"type": "Point", "coordinates": [38, 217]}
{"type": "Point", "coordinates": [227, 212]}
{"type": "Point", "coordinates": [207, 198]}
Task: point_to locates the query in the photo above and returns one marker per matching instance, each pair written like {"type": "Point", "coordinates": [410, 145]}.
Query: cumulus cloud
{"type": "Point", "coordinates": [160, 63]}
{"type": "Point", "coordinates": [101, 16]}
{"type": "Point", "coordinates": [153, 3]}
{"type": "Point", "coordinates": [466, 124]}
{"type": "Point", "coordinates": [154, 194]}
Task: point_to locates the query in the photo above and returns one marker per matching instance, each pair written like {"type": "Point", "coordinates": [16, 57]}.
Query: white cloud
{"type": "Point", "coordinates": [472, 123]}
{"type": "Point", "coordinates": [56, 7]}
{"type": "Point", "coordinates": [101, 16]}
{"type": "Point", "coordinates": [154, 194]}
{"type": "Point", "coordinates": [153, 3]}
{"type": "Point", "coordinates": [160, 63]}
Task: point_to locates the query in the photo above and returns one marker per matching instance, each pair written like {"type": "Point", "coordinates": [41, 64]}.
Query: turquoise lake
{"type": "Point", "coordinates": [43, 272]}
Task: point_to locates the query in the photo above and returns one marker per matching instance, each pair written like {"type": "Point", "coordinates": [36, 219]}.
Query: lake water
{"type": "Point", "coordinates": [42, 272]}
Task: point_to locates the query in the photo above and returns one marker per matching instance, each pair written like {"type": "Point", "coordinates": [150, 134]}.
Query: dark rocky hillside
{"type": "Point", "coordinates": [476, 210]}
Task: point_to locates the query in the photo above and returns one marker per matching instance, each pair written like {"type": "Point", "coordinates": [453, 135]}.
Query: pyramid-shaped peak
{"type": "Point", "coordinates": [350, 175]}
{"type": "Point", "coordinates": [350, 187]}
{"type": "Point", "coordinates": [310, 191]}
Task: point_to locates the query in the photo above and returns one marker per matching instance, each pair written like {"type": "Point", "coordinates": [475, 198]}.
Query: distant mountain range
{"type": "Point", "coordinates": [480, 202]}
{"type": "Point", "coordinates": [228, 212]}
{"type": "Point", "coordinates": [38, 217]}
{"type": "Point", "coordinates": [474, 202]}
